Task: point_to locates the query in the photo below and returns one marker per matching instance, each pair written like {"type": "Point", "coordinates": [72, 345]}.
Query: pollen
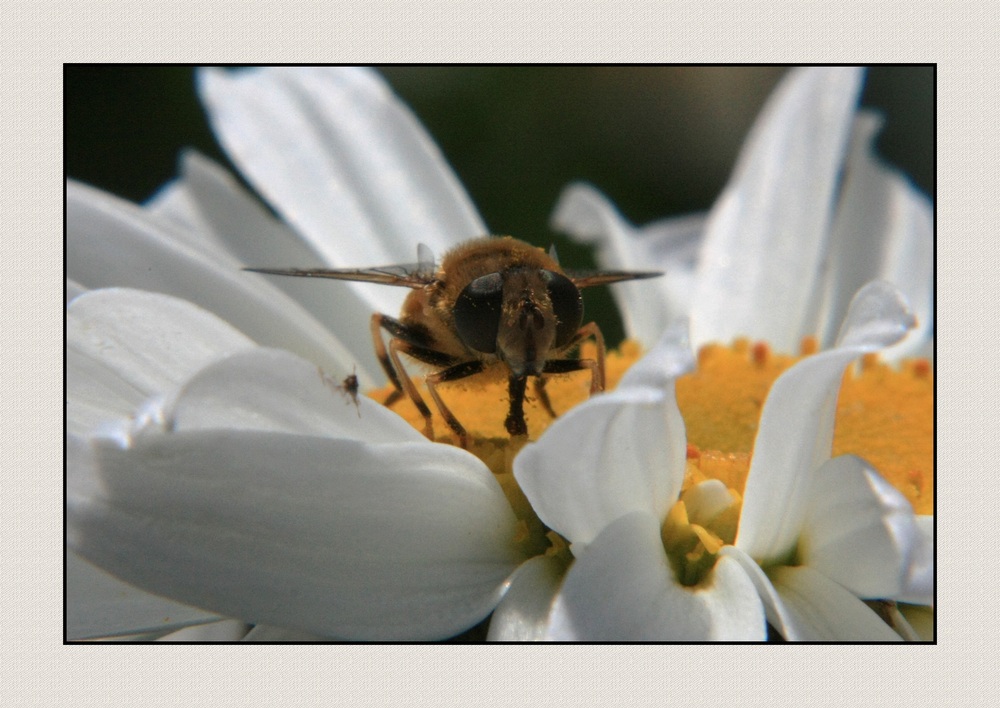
{"type": "Point", "coordinates": [885, 414]}
{"type": "Point", "coordinates": [480, 403]}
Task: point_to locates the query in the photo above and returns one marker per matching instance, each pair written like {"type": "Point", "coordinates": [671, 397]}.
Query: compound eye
{"type": "Point", "coordinates": [477, 313]}
{"type": "Point", "coordinates": [567, 305]}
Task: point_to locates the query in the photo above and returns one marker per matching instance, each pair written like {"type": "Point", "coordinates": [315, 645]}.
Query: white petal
{"type": "Point", "coordinates": [778, 616]}
{"type": "Point", "coordinates": [615, 453]}
{"type": "Point", "coordinates": [820, 610]}
{"type": "Point", "coordinates": [859, 530]}
{"type": "Point", "coordinates": [884, 230]}
{"type": "Point", "coordinates": [766, 235]}
{"type": "Point", "coordinates": [174, 209]}
{"type": "Point", "coordinates": [273, 390]}
{"type": "Point", "coordinates": [622, 589]}
{"type": "Point", "coordinates": [123, 346]}
{"type": "Point", "coordinates": [660, 366]}
{"type": "Point", "coordinates": [96, 394]}
{"type": "Point", "coordinates": [216, 215]}
{"type": "Point", "coordinates": [670, 245]}
{"type": "Point", "coordinates": [113, 243]}
{"type": "Point", "coordinates": [151, 340]}
{"type": "Point", "coordinates": [918, 586]}
{"type": "Point", "coordinates": [222, 631]}
{"type": "Point", "coordinates": [99, 605]}
{"type": "Point", "coordinates": [522, 615]}
{"type": "Point", "coordinates": [341, 159]}
{"type": "Point", "coordinates": [877, 317]}
{"type": "Point", "coordinates": [236, 224]}
{"type": "Point", "coordinates": [589, 217]}
{"type": "Point", "coordinates": [796, 426]}
{"type": "Point", "coordinates": [335, 537]}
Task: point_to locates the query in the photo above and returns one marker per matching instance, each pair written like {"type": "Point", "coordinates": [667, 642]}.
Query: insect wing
{"type": "Point", "coordinates": [407, 275]}
{"type": "Point", "coordinates": [586, 279]}
{"type": "Point", "coordinates": [425, 261]}
{"type": "Point", "coordinates": [404, 275]}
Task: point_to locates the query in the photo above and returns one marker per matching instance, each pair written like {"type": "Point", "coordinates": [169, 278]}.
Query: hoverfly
{"type": "Point", "coordinates": [493, 301]}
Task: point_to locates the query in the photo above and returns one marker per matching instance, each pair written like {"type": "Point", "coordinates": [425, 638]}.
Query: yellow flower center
{"type": "Point", "coordinates": [884, 414]}
{"type": "Point", "coordinates": [480, 404]}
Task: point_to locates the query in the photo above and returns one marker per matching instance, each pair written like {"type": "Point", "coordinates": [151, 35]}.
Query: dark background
{"type": "Point", "coordinates": [658, 141]}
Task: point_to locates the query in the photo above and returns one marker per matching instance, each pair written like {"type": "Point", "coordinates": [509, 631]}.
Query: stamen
{"type": "Point", "coordinates": [692, 547]}
{"type": "Point", "coordinates": [760, 353]}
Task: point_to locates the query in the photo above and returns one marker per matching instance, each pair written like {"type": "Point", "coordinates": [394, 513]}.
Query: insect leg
{"type": "Point", "coordinates": [412, 341]}
{"type": "Point", "coordinates": [543, 396]}
{"type": "Point", "coordinates": [515, 415]}
{"type": "Point", "coordinates": [563, 366]}
{"type": "Point", "coordinates": [452, 373]}
{"type": "Point", "coordinates": [420, 348]}
{"type": "Point", "coordinates": [597, 368]}
{"type": "Point", "coordinates": [395, 346]}
{"type": "Point", "coordinates": [379, 322]}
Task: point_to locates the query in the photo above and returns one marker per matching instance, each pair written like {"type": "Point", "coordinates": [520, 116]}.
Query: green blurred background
{"type": "Point", "coordinates": [658, 141]}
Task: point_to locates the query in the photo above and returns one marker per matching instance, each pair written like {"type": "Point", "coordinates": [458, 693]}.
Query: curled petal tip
{"type": "Point", "coordinates": [879, 315]}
